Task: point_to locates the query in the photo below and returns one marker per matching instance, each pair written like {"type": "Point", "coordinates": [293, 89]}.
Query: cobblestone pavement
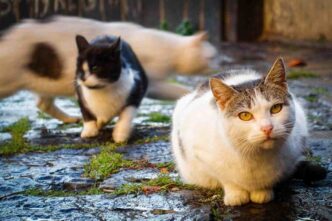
{"type": "Point", "coordinates": [49, 183]}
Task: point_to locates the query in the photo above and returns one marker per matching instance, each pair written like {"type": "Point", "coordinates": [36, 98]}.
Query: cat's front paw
{"type": "Point", "coordinates": [236, 198]}
{"type": "Point", "coordinates": [90, 129]}
{"type": "Point", "coordinates": [261, 196]}
{"type": "Point", "coordinates": [119, 137]}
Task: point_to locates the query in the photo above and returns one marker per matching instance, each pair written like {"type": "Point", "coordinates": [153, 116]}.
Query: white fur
{"type": "Point", "coordinates": [161, 54]}
{"type": "Point", "coordinates": [108, 102]}
{"type": "Point", "coordinates": [211, 158]}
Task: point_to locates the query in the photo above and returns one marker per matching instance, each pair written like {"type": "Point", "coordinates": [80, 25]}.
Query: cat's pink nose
{"type": "Point", "coordinates": [267, 129]}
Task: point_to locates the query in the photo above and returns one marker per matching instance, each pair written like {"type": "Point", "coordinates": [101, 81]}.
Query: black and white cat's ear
{"type": "Point", "coordinates": [221, 91]}
{"type": "Point", "coordinates": [116, 45]}
{"type": "Point", "coordinates": [82, 43]}
{"type": "Point", "coordinates": [277, 74]}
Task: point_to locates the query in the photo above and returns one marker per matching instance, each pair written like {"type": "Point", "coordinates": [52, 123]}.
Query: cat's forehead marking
{"type": "Point", "coordinates": [255, 93]}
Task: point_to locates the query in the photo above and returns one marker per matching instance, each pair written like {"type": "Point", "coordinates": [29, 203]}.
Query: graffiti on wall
{"type": "Point", "coordinates": [42, 8]}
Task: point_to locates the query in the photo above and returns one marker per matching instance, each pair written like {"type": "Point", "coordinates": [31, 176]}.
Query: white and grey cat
{"type": "Point", "coordinates": [40, 56]}
{"type": "Point", "coordinates": [110, 82]}
{"type": "Point", "coordinates": [244, 132]}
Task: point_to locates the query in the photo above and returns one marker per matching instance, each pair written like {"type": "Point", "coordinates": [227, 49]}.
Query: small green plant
{"type": "Point", "coordinates": [17, 143]}
{"type": "Point", "coordinates": [301, 74]}
{"type": "Point", "coordinates": [314, 159]}
{"type": "Point", "coordinates": [169, 165]}
{"type": "Point", "coordinates": [185, 28]}
{"type": "Point", "coordinates": [320, 90]}
{"type": "Point", "coordinates": [105, 164]}
{"type": "Point", "coordinates": [128, 188]}
{"type": "Point", "coordinates": [164, 25]}
{"type": "Point", "coordinates": [313, 98]}
{"type": "Point", "coordinates": [158, 117]}
{"type": "Point", "coordinates": [162, 183]}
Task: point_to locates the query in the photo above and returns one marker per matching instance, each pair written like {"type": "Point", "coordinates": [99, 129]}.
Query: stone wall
{"type": "Point", "coordinates": [298, 19]}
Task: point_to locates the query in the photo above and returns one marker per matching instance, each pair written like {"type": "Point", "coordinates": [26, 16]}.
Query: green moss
{"type": "Point", "coordinates": [129, 188]}
{"type": "Point", "coordinates": [17, 143]}
{"type": "Point", "coordinates": [61, 193]}
{"type": "Point", "coordinates": [169, 165]}
{"type": "Point", "coordinates": [301, 74]}
{"type": "Point", "coordinates": [314, 159]}
{"type": "Point", "coordinates": [163, 182]}
{"type": "Point", "coordinates": [104, 164]}
{"type": "Point", "coordinates": [311, 98]}
{"type": "Point", "coordinates": [158, 117]}
{"type": "Point", "coordinates": [320, 91]}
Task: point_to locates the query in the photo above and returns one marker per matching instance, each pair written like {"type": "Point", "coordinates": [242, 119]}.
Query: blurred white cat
{"type": "Point", "coordinates": [40, 56]}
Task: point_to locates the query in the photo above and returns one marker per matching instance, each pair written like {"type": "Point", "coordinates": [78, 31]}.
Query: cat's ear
{"type": "Point", "coordinates": [221, 91]}
{"type": "Point", "coordinates": [116, 45]}
{"type": "Point", "coordinates": [277, 74]}
{"type": "Point", "coordinates": [82, 43]}
{"type": "Point", "coordinates": [199, 37]}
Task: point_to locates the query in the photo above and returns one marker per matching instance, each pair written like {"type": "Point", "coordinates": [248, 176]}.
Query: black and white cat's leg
{"type": "Point", "coordinates": [166, 91]}
{"type": "Point", "coordinates": [46, 104]}
{"type": "Point", "coordinates": [124, 125]}
{"type": "Point", "coordinates": [90, 127]}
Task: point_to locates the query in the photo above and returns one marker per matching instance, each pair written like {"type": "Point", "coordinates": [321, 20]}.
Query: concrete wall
{"type": "Point", "coordinates": [298, 19]}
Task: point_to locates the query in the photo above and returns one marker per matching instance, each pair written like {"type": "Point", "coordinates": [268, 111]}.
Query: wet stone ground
{"type": "Point", "coordinates": [55, 177]}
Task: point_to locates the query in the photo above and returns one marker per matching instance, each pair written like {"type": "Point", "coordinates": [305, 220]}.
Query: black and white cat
{"type": "Point", "coordinates": [41, 57]}
{"type": "Point", "coordinates": [110, 81]}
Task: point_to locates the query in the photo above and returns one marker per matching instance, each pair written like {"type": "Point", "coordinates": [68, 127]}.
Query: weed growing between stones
{"type": "Point", "coordinates": [108, 162]}
{"type": "Point", "coordinates": [320, 90]}
{"type": "Point", "coordinates": [312, 98]}
{"type": "Point", "coordinates": [105, 163]}
{"type": "Point", "coordinates": [309, 156]}
{"type": "Point", "coordinates": [170, 166]}
{"type": "Point", "coordinates": [158, 118]}
{"type": "Point", "coordinates": [17, 143]}
{"type": "Point", "coordinates": [164, 183]}
{"type": "Point", "coordinates": [296, 74]}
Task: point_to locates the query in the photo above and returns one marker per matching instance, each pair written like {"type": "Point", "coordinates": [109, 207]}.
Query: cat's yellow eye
{"type": "Point", "coordinates": [276, 108]}
{"type": "Point", "coordinates": [246, 116]}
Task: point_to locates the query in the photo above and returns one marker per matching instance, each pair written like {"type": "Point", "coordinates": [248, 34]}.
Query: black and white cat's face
{"type": "Point", "coordinates": [97, 64]}
{"type": "Point", "coordinates": [258, 113]}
